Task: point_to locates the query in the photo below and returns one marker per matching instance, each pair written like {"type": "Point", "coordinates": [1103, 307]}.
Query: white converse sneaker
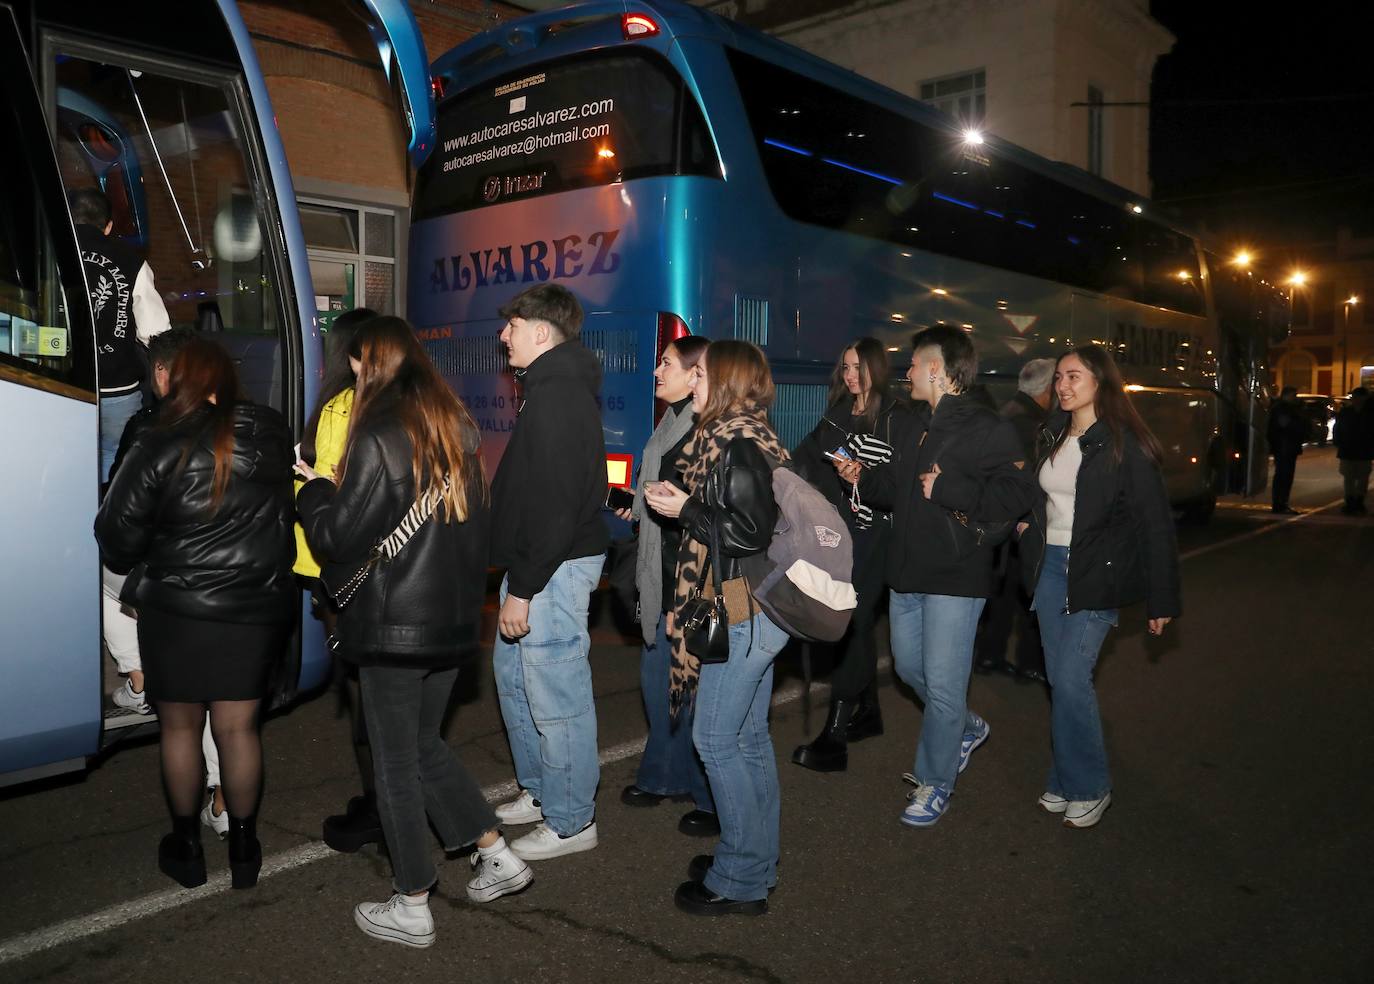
{"type": "Point", "coordinates": [400, 919]}
{"type": "Point", "coordinates": [1052, 802]}
{"type": "Point", "coordinates": [218, 822]}
{"type": "Point", "coordinates": [498, 872]}
{"type": "Point", "coordinates": [542, 843]}
{"type": "Point", "coordinates": [130, 699]}
{"type": "Point", "coordinates": [523, 809]}
{"type": "Point", "coordinates": [1086, 813]}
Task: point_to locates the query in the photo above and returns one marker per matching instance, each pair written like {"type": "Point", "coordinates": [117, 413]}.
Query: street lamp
{"type": "Point", "coordinates": [1347, 304]}
{"type": "Point", "coordinates": [1243, 259]}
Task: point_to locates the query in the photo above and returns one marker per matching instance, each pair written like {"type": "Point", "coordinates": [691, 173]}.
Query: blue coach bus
{"type": "Point", "coordinates": [169, 114]}
{"type": "Point", "coordinates": [681, 173]}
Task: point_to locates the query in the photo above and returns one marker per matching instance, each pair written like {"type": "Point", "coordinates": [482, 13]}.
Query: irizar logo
{"type": "Point", "coordinates": [827, 537]}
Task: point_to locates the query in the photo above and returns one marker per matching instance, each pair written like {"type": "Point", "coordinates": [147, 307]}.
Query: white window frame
{"type": "Point", "coordinates": [361, 258]}
{"type": "Point", "coordinates": [950, 102]}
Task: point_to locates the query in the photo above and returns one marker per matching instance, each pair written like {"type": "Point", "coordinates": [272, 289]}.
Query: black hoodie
{"type": "Point", "coordinates": [983, 474]}
{"type": "Point", "coordinates": [550, 487]}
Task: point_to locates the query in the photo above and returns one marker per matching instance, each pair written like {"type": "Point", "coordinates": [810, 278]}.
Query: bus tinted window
{"type": "Point", "coordinates": [834, 160]}
{"type": "Point", "coordinates": [593, 119]}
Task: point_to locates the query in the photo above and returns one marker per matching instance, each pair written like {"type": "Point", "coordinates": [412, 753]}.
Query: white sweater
{"type": "Point", "coordinates": [1059, 478]}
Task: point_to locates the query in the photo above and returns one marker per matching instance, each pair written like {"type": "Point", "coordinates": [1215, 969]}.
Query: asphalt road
{"type": "Point", "coordinates": [1237, 848]}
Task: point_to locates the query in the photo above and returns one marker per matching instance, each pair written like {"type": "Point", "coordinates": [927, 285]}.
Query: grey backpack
{"type": "Point", "coordinates": [804, 580]}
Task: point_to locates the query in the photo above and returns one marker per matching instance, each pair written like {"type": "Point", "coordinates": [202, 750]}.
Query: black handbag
{"type": "Point", "coordinates": [704, 622]}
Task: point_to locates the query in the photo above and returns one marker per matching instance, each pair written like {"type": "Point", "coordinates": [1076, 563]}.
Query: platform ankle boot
{"type": "Point", "coordinates": [867, 719]}
{"type": "Point", "coordinates": [245, 853]}
{"type": "Point", "coordinates": [180, 856]}
{"type": "Point", "coordinates": [830, 751]}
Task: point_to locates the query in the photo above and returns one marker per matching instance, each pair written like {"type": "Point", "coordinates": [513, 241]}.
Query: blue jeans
{"type": "Point", "coordinates": [1078, 768]}
{"type": "Point", "coordinates": [670, 765]}
{"type": "Point", "coordinates": [115, 412]}
{"type": "Point", "coordinates": [544, 682]}
{"type": "Point", "coordinates": [932, 650]}
{"type": "Point", "coordinates": [417, 773]}
{"type": "Point", "coordinates": [731, 733]}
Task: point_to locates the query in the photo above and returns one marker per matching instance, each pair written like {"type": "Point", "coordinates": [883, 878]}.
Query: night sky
{"type": "Point", "coordinates": [1262, 125]}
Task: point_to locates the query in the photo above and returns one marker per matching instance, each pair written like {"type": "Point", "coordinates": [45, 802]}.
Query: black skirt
{"type": "Point", "coordinates": [195, 660]}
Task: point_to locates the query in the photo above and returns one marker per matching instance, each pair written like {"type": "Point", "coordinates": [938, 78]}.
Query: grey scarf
{"type": "Point", "coordinates": [648, 564]}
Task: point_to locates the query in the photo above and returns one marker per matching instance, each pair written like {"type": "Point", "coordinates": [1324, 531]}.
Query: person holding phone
{"type": "Point", "coordinates": [670, 766]}
{"type": "Point", "coordinates": [1101, 537]}
{"type": "Point", "coordinates": [856, 433]}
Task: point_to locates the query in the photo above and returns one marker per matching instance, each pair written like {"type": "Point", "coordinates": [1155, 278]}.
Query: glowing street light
{"type": "Point", "coordinates": [1243, 259]}
{"type": "Point", "coordinates": [1347, 304]}
{"type": "Point", "coordinates": [1297, 279]}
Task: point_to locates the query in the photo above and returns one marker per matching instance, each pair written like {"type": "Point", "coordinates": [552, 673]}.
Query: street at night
{"type": "Point", "coordinates": [1236, 849]}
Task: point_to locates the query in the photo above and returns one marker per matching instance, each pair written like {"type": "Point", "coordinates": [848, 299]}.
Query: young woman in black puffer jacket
{"type": "Point", "coordinates": [1101, 537]}
{"type": "Point", "coordinates": [202, 504]}
{"type": "Point", "coordinates": [415, 617]}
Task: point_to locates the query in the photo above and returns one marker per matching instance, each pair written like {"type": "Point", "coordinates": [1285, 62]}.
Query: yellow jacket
{"type": "Point", "coordinates": [329, 445]}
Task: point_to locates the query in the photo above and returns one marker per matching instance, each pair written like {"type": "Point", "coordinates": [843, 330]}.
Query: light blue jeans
{"type": "Point", "coordinates": [670, 765]}
{"type": "Point", "coordinates": [115, 412]}
{"type": "Point", "coordinates": [1078, 766]}
{"type": "Point", "coordinates": [544, 683]}
{"type": "Point", "coordinates": [932, 650]}
{"type": "Point", "coordinates": [731, 733]}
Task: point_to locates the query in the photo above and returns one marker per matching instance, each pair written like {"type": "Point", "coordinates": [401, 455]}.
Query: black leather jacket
{"type": "Point", "coordinates": [423, 608]}
{"type": "Point", "coordinates": [738, 500]}
{"type": "Point", "coordinates": [1124, 548]}
{"type": "Point", "coordinates": [232, 566]}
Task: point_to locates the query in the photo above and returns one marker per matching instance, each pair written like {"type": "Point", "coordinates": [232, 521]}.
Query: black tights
{"type": "Point", "coordinates": [234, 725]}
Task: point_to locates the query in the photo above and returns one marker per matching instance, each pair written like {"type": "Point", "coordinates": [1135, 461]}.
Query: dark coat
{"type": "Point", "coordinates": [809, 458]}
{"type": "Point", "coordinates": [1289, 427]}
{"type": "Point", "coordinates": [550, 487]}
{"type": "Point", "coordinates": [738, 501]}
{"type": "Point", "coordinates": [1026, 417]}
{"type": "Point", "coordinates": [978, 455]}
{"type": "Point", "coordinates": [1124, 548]}
{"type": "Point", "coordinates": [423, 608]}
{"type": "Point", "coordinates": [1354, 433]}
{"type": "Point", "coordinates": [230, 566]}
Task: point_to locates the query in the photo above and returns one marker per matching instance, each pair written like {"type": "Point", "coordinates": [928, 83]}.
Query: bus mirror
{"type": "Point", "coordinates": [208, 318]}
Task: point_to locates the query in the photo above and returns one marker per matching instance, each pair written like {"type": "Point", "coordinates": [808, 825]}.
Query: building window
{"type": "Point", "coordinates": [1095, 102]}
{"type": "Point", "coordinates": [352, 251]}
{"type": "Point", "coordinates": [963, 96]}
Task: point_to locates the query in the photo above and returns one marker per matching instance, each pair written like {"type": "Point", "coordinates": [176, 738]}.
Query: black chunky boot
{"type": "Point", "coordinates": [867, 719]}
{"type": "Point", "coordinates": [359, 824]}
{"type": "Point", "coordinates": [180, 856]}
{"type": "Point", "coordinates": [245, 853]}
{"type": "Point", "coordinates": [830, 751]}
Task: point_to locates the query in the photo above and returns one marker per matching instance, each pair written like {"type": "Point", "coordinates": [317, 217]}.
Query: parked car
{"type": "Point", "coordinates": [1322, 411]}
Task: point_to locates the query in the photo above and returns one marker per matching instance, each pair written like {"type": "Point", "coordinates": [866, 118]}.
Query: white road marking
{"type": "Point", "coordinates": [122, 913]}
{"type": "Point", "coordinates": [21, 947]}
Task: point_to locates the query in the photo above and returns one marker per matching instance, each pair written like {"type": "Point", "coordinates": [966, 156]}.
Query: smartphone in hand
{"type": "Point", "coordinates": [618, 498]}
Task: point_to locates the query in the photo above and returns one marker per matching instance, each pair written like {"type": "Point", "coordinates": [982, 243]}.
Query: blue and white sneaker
{"type": "Point", "coordinates": [928, 804]}
{"type": "Point", "coordinates": [972, 739]}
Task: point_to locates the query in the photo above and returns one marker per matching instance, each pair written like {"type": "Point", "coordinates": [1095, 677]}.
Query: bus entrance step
{"type": "Point", "coordinates": [122, 717]}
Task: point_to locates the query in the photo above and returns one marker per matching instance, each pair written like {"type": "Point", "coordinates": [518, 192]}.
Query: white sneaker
{"type": "Point", "coordinates": [523, 809]}
{"type": "Point", "coordinates": [130, 699]}
{"type": "Point", "coordinates": [498, 872]}
{"type": "Point", "coordinates": [1052, 802]}
{"type": "Point", "coordinates": [218, 822]}
{"type": "Point", "coordinates": [542, 843]}
{"type": "Point", "coordinates": [1086, 813]}
{"type": "Point", "coordinates": [400, 919]}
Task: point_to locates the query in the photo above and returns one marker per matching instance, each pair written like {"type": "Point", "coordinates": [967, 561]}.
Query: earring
{"type": "Point", "coordinates": [932, 377]}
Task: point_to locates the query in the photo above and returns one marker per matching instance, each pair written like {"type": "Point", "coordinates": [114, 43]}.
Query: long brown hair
{"type": "Point", "coordinates": [873, 373]}
{"type": "Point", "coordinates": [397, 379]}
{"type": "Point", "coordinates": [1113, 404]}
{"type": "Point", "coordinates": [201, 370]}
{"type": "Point", "coordinates": [338, 374]}
{"type": "Point", "coordinates": [737, 378]}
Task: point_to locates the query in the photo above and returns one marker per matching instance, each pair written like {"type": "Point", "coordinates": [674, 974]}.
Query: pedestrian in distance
{"type": "Point", "coordinates": [128, 313]}
{"type": "Point", "coordinates": [1100, 537]}
{"type": "Point", "coordinates": [321, 447]}
{"type": "Point", "coordinates": [410, 475]}
{"type": "Point", "coordinates": [549, 536]}
{"type": "Point", "coordinates": [1009, 608]}
{"type": "Point", "coordinates": [958, 472]}
{"type": "Point", "coordinates": [856, 433]}
{"type": "Point", "coordinates": [201, 507]}
{"type": "Point", "coordinates": [670, 766]}
{"type": "Point", "coordinates": [727, 496]}
{"type": "Point", "coordinates": [1289, 428]}
{"type": "Point", "coordinates": [1354, 438]}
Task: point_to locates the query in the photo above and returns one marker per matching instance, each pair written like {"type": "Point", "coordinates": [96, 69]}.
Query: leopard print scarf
{"type": "Point", "coordinates": [699, 457]}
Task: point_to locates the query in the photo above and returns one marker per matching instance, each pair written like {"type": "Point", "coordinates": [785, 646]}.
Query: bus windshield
{"type": "Point", "coordinates": [593, 119]}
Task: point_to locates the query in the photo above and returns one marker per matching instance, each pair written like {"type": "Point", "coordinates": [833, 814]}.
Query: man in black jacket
{"type": "Point", "coordinates": [547, 532]}
{"type": "Point", "coordinates": [1354, 439]}
{"type": "Point", "coordinates": [1288, 429]}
